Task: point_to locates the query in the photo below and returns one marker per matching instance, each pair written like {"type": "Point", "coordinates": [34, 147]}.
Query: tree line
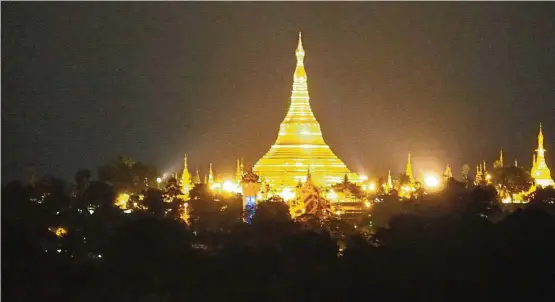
{"type": "Point", "coordinates": [69, 241]}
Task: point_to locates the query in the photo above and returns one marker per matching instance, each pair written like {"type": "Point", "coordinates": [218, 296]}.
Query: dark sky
{"type": "Point", "coordinates": [452, 82]}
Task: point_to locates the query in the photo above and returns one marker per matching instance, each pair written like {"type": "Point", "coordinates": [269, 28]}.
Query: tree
{"type": "Point", "coordinates": [274, 209]}
{"type": "Point", "coordinates": [150, 256]}
{"type": "Point", "coordinates": [404, 179]}
{"type": "Point", "coordinates": [154, 202]}
{"type": "Point", "coordinates": [82, 179]}
{"type": "Point", "coordinates": [172, 197]}
{"type": "Point", "coordinates": [127, 175]}
{"type": "Point", "coordinates": [511, 180]}
{"type": "Point", "coordinates": [544, 198]}
{"type": "Point", "coordinates": [381, 212]}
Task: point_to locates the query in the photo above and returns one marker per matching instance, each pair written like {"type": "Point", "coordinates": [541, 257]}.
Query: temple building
{"type": "Point", "coordinates": [540, 172]}
{"type": "Point", "coordinates": [300, 145]}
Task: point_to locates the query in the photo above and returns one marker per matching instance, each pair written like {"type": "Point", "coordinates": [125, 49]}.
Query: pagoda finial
{"type": "Point", "coordinates": [501, 157]}
{"type": "Point", "coordinates": [300, 51]}
{"type": "Point", "coordinates": [540, 140]}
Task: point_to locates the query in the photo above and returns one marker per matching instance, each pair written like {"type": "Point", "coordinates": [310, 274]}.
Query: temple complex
{"type": "Point", "coordinates": [300, 145]}
{"type": "Point", "coordinates": [540, 172]}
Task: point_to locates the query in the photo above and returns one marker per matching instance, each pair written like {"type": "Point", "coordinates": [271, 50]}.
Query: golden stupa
{"type": "Point", "coordinates": [540, 172]}
{"type": "Point", "coordinates": [300, 146]}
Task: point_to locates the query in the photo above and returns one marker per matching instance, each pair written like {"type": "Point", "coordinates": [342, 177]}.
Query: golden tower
{"type": "Point", "coordinates": [186, 182]}
{"type": "Point", "coordinates": [408, 170]}
{"type": "Point", "coordinates": [448, 173]}
{"type": "Point", "coordinates": [210, 176]}
{"type": "Point", "coordinates": [238, 172]}
{"type": "Point", "coordinates": [300, 143]}
{"type": "Point", "coordinates": [389, 181]}
{"type": "Point", "coordinates": [196, 179]}
{"type": "Point", "coordinates": [540, 172]}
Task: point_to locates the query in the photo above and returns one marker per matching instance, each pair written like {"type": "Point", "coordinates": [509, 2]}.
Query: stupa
{"type": "Point", "coordinates": [300, 145]}
{"type": "Point", "coordinates": [540, 172]}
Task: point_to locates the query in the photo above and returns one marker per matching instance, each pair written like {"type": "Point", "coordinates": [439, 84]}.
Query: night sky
{"type": "Point", "coordinates": [451, 82]}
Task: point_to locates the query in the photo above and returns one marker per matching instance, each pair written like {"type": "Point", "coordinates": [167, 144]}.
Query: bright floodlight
{"type": "Point", "coordinates": [431, 181]}
{"type": "Point", "coordinates": [287, 194]}
{"type": "Point", "coordinates": [158, 180]}
{"type": "Point", "coordinates": [228, 186]}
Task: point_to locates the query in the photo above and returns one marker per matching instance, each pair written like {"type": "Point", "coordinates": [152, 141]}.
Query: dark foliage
{"type": "Point", "coordinates": [440, 247]}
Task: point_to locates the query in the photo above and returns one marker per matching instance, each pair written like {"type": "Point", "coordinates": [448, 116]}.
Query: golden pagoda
{"type": "Point", "coordinates": [408, 170]}
{"type": "Point", "coordinates": [540, 172]}
{"type": "Point", "coordinates": [300, 145]}
{"type": "Point", "coordinates": [186, 183]}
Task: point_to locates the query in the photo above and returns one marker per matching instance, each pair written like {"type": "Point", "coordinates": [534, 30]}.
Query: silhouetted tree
{"type": "Point", "coordinates": [511, 180]}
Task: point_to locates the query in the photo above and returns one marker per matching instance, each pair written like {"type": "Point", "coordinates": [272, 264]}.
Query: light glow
{"type": "Point", "coordinates": [431, 181]}
{"type": "Point", "coordinates": [287, 194]}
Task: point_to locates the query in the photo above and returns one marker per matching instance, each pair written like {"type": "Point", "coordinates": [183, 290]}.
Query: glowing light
{"type": "Point", "coordinates": [363, 178]}
{"type": "Point", "coordinates": [60, 232]}
{"type": "Point", "coordinates": [488, 176]}
{"type": "Point", "coordinates": [158, 180]}
{"type": "Point", "coordinates": [367, 204]}
{"type": "Point", "coordinates": [215, 186]}
{"type": "Point", "coordinates": [431, 181]}
{"type": "Point", "coordinates": [231, 187]}
{"type": "Point", "coordinates": [372, 187]}
{"type": "Point", "coordinates": [332, 195]}
{"type": "Point", "coordinates": [228, 186]}
{"type": "Point", "coordinates": [121, 201]}
{"type": "Point", "coordinates": [287, 194]}
{"type": "Point", "coordinates": [506, 200]}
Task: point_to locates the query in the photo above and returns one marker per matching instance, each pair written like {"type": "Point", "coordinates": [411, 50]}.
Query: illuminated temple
{"type": "Point", "coordinates": [300, 146]}
{"type": "Point", "coordinates": [540, 172]}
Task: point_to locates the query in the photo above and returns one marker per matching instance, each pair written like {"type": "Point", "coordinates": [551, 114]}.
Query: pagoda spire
{"type": "Point", "coordinates": [448, 173]}
{"type": "Point", "coordinates": [540, 142]}
{"type": "Point", "coordinates": [501, 157]}
{"type": "Point", "coordinates": [210, 175]}
{"type": "Point", "coordinates": [238, 174]}
{"type": "Point", "coordinates": [408, 170]}
{"type": "Point", "coordinates": [196, 179]}
{"type": "Point", "coordinates": [185, 177]}
{"type": "Point", "coordinates": [299, 52]}
{"type": "Point", "coordinates": [389, 180]}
